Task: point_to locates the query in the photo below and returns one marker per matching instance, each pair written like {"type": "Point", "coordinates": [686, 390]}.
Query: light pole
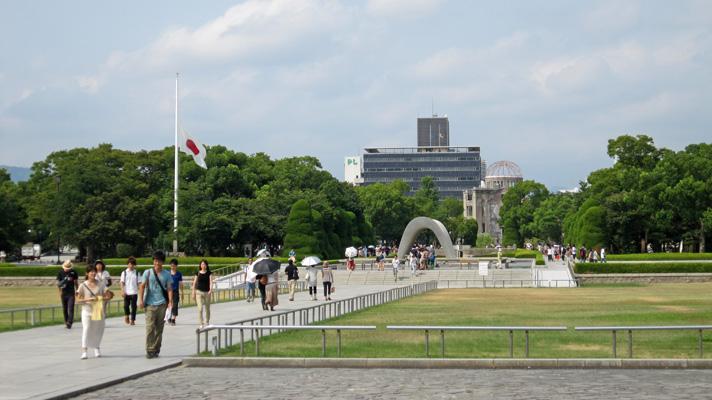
{"type": "Point", "coordinates": [58, 179]}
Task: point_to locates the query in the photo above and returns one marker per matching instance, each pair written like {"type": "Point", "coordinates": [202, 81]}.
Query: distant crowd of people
{"type": "Point", "coordinates": [556, 252]}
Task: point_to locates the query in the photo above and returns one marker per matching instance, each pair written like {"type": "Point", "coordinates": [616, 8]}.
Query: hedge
{"type": "Point", "coordinates": [642, 268]}
{"type": "Point", "coordinates": [522, 253]}
{"type": "Point", "coordinates": [659, 256]}
{"type": "Point", "coordinates": [181, 260]}
{"type": "Point", "coordinates": [52, 271]}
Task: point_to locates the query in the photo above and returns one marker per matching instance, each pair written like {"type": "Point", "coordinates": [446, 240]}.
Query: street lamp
{"type": "Point", "coordinates": [58, 179]}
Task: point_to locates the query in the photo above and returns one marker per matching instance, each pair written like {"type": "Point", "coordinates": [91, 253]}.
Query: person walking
{"type": "Point", "coordinates": [327, 279]}
{"type": "Point", "coordinates": [67, 283]}
{"type": "Point", "coordinates": [292, 278]}
{"type": "Point", "coordinates": [177, 277]}
{"type": "Point", "coordinates": [413, 262]}
{"type": "Point", "coordinates": [250, 281]}
{"type": "Point", "coordinates": [396, 265]}
{"type": "Point", "coordinates": [272, 290]}
{"type": "Point", "coordinates": [101, 273]}
{"type": "Point", "coordinates": [311, 281]}
{"type": "Point", "coordinates": [603, 254]}
{"type": "Point", "coordinates": [92, 294]}
{"type": "Point", "coordinates": [155, 296]}
{"type": "Point", "coordinates": [202, 290]}
{"type": "Point", "coordinates": [262, 281]}
{"type": "Point", "coordinates": [129, 291]}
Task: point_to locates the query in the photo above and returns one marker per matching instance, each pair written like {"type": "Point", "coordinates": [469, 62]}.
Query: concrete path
{"type": "Point", "coordinates": [44, 362]}
{"type": "Point", "coordinates": [555, 275]}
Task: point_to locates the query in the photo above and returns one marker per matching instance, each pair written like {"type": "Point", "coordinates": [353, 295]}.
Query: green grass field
{"type": "Point", "coordinates": [665, 304]}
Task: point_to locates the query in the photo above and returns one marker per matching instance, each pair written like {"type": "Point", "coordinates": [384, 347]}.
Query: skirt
{"type": "Point", "coordinates": [272, 291]}
{"type": "Point", "coordinates": [92, 331]}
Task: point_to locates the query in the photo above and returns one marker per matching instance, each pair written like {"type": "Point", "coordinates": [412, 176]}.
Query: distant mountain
{"type": "Point", "coordinates": [18, 173]}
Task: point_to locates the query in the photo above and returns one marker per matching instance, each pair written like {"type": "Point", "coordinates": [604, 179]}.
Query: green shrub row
{"type": "Point", "coordinates": [52, 271]}
{"type": "Point", "coordinates": [524, 253]}
{"type": "Point", "coordinates": [659, 256]}
{"type": "Point", "coordinates": [642, 268]}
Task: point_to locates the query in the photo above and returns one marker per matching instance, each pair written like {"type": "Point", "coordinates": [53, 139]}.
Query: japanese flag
{"type": "Point", "coordinates": [193, 147]}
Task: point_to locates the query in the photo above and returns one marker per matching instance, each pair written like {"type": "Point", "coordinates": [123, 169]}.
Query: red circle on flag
{"type": "Point", "coordinates": [192, 146]}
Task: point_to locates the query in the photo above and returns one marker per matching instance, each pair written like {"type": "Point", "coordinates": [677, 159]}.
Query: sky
{"type": "Point", "coordinates": [542, 83]}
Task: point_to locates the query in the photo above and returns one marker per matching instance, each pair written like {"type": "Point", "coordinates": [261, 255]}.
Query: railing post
{"type": "Point", "coordinates": [427, 343]}
{"type": "Point", "coordinates": [206, 341]}
{"type": "Point", "coordinates": [197, 342]}
{"type": "Point", "coordinates": [338, 339]}
{"type": "Point", "coordinates": [615, 355]}
{"type": "Point", "coordinates": [323, 342]}
{"type": "Point", "coordinates": [442, 343]}
{"type": "Point", "coordinates": [630, 343]}
{"type": "Point", "coordinates": [699, 342]}
{"type": "Point", "coordinates": [511, 343]}
{"type": "Point", "coordinates": [242, 342]}
{"type": "Point", "coordinates": [257, 342]}
{"type": "Point", "coordinates": [526, 344]}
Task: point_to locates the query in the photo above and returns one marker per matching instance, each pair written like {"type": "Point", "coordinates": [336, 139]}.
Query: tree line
{"type": "Point", "coordinates": [109, 202]}
{"type": "Point", "coordinates": [650, 196]}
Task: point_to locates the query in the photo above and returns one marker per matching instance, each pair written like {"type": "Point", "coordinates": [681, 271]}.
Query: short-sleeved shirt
{"type": "Point", "coordinates": [130, 280]}
{"type": "Point", "coordinates": [68, 281]}
{"type": "Point", "coordinates": [203, 283]}
{"type": "Point", "coordinates": [177, 279]}
{"type": "Point", "coordinates": [86, 293]}
{"type": "Point", "coordinates": [152, 294]}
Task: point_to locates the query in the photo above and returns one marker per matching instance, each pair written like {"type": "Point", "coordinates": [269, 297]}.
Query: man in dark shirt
{"type": "Point", "coordinates": [292, 278]}
{"type": "Point", "coordinates": [67, 282]}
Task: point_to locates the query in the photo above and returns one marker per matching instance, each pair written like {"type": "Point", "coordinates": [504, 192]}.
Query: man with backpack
{"type": "Point", "coordinates": [155, 296]}
{"type": "Point", "coordinates": [129, 291]}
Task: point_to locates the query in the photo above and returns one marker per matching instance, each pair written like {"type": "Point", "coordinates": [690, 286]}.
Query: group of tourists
{"type": "Point", "coordinates": [157, 291]}
{"type": "Point", "coordinates": [572, 253]}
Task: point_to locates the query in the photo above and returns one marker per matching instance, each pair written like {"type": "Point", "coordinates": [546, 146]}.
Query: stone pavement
{"type": "Point", "coordinates": [44, 362]}
{"type": "Point", "coordinates": [321, 383]}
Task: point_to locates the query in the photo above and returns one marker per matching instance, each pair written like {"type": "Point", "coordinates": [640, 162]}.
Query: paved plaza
{"type": "Point", "coordinates": [320, 383]}
{"type": "Point", "coordinates": [44, 362]}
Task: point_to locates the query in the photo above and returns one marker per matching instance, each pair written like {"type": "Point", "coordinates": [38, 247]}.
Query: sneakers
{"type": "Point", "coordinates": [97, 353]}
{"type": "Point", "coordinates": [84, 355]}
{"type": "Point", "coordinates": [151, 355]}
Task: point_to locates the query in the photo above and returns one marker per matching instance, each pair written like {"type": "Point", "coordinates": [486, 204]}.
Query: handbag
{"type": "Point", "coordinates": [333, 289]}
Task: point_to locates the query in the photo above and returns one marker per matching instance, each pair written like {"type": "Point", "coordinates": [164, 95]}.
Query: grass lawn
{"type": "Point", "coordinates": [664, 304]}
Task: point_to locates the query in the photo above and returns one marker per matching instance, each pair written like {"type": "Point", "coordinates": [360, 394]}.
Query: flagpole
{"type": "Point", "coordinates": [175, 182]}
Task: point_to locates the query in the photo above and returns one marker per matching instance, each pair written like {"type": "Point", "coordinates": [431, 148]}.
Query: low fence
{"type": "Point", "coordinates": [53, 314]}
{"type": "Point", "coordinates": [443, 329]}
{"type": "Point", "coordinates": [259, 329]}
{"type": "Point", "coordinates": [630, 329]}
{"type": "Point", "coordinates": [303, 316]}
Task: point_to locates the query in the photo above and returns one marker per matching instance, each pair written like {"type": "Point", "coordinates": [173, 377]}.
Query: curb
{"type": "Point", "coordinates": [445, 363]}
{"type": "Point", "coordinates": [112, 382]}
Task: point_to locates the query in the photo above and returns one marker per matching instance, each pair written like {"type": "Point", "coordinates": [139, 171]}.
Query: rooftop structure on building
{"type": "Point", "coordinates": [483, 203]}
{"type": "Point", "coordinates": [434, 131]}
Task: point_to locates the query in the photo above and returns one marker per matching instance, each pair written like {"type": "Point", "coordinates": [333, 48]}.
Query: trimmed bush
{"type": "Point", "coordinates": [114, 271]}
{"type": "Point", "coordinates": [642, 268]}
{"type": "Point", "coordinates": [659, 256]}
{"type": "Point", "coordinates": [523, 253]}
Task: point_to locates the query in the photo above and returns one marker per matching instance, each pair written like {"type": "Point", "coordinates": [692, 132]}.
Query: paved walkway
{"type": "Point", "coordinates": [44, 362]}
{"type": "Point", "coordinates": [322, 383]}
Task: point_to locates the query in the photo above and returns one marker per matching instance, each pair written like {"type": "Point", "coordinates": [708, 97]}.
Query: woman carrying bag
{"type": "Point", "coordinates": [92, 295]}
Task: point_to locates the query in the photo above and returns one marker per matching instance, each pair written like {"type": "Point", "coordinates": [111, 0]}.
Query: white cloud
{"type": "Point", "coordinates": [250, 29]}
{"type": "Point", "coordinates": [402, 8]}
{"type": "Point", "coordinates": [88, 84]}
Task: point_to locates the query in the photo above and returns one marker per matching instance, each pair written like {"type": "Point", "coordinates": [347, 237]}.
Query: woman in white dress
{"type": "Point", "coordinates": [311, 281]}
{"type": "Point", "coordinates": [92, 294]}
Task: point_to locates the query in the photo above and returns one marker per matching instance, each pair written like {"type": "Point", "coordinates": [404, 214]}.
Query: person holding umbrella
{"type": "Point", "coordinates": [311, 277]}
{"type": "Point", "coordinates": [266, 270]}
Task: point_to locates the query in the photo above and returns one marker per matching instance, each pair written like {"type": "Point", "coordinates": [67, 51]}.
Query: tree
{"type": "Point", "coordinates": [427, 198]}
{"type": "Point", "coordinates": [13, 227]}
{"type": "Point", "coordinates": [517, 212]}
{"type": "Point", "coordinates": [387, 208]}
{"type": "Point", "coordinates": [302, 230]}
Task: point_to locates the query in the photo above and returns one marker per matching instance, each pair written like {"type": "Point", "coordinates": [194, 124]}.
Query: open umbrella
{"type": "Point", "coordinates": [311, 261]}
{"type": "Point", "coordinates": [351, 252]}
{"type": "Point", "coordinates": [263, 253]}
{"type": "Point", "coordinates": [265, 266]}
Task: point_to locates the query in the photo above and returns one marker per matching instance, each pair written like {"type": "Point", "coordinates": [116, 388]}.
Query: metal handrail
{"type": "Point", "coordinates": [36, 315]}
{"type": "Point", "coordinates": [442, 330]}
{"type": "Point", "coordinates": [258, 329]}
{"type": "Point", "coordinates": [630, 329]}
{"type": "Point", "coordinates": [312, 314]}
